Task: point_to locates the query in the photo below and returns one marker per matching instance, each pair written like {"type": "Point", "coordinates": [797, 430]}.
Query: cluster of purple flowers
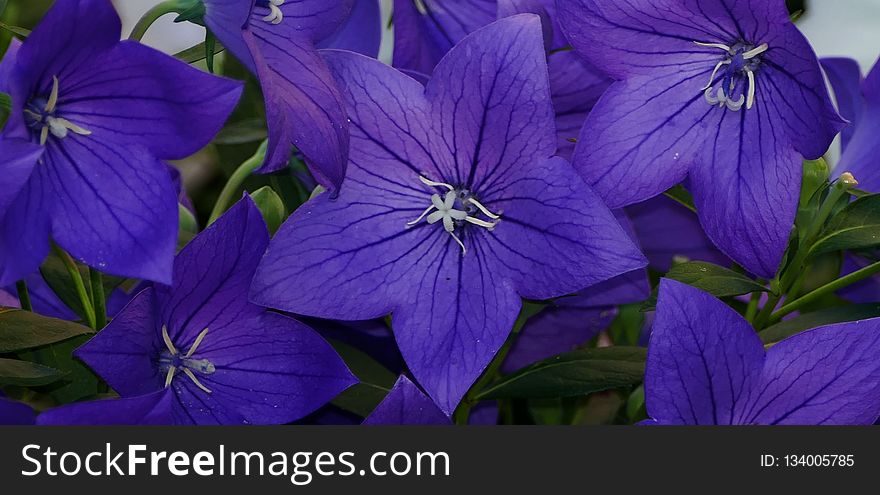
{"type": "Point", "coordinates": [514, 150]}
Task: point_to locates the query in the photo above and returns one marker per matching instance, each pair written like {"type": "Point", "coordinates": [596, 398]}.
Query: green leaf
{"type": "Point", "coordinates": [787, 328]}
{"type": "Point", "coordinates": [187, 220]}
{"type": "Point", "coordinates": [270, 206]}
{"type": "Point", "coordinates": [682, 196]}
{"type": "Point", "coordinates": [242, 132]}
{"type": "Point", "coordinates": [78, 381]}
{"type": "Point", "coordinates": [21, 330]}
{"type": "Point", "coordinates": [3, 5]}
{"type": "Point", "coordinates": [26, 373]}
{"type": "Point", "coordinates": [714, 279]}
{"type": "Point", "coordinates": [857, 226]}
{"type": "Point", "coordinates": [575, 373]}
{"type": "Point", "coordinates": [376, 381]}
{"type": "Point", "coordinates": [18, 31]}
{"type": "Point", "coordinates": [56, 276]}
{"type": "Point", "coordinates": [627, 326]}
{"type": "Point", "coordinates": [5, 102]}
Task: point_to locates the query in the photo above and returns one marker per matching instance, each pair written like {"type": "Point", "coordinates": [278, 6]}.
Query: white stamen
{"type": "Point", "coordinates": [417, 220]}
{"type": "Point", "coordinates": [463, 249]}
{"type": "Point", "coordinates": [275, 15]}
{"type": "Point", "coordinates": [721, 46]}
{"type": "Point", "coordinates": [195, 380]}
{"type": "Point", "coordinates": [709, 98]}
{"type": "Point", "coordinates": [197, 343]}
{"type": "Point", "coordinates": [751, 100]}
{"type": "Point", "coordinates": [754, 52]}
{"type": "Point", "coordinates": [715, 72]}
{"type": "Point", "coordinates": [44, 135]}
{"type": "Point", "coordinates": [277, 2]}
{"type": "Point", "coordinates": [168, 343]}
{"type": "Point", "coordinates": [169, 377]}
{"type": "Point", "coordinates": [735, 105]}
{"type": "Point", "coordinates": [53, 97]}
{"type": "Point", "coordinates": [481, 223]}
{"type": "Point", "coordinates": [483, 209]}
{"type": "Point", "coordinates": [431, 183]}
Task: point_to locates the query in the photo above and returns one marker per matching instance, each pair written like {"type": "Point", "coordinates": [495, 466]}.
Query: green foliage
{"type": "Point", "coordinates": [787, 328]}
{"type": "Point", "coordinates": [572, 374]}
{"type": "Point", "coordinates": [271, 207]}
{"type": "Point", "coordinates": [26, 373]}
{"type": "Point", "coordinates": [375, 381]}
{"type": "Point", "coordinates": [857, 226]}
{"type": "Point", "coordinates": [714, 279]}
{"type": "Point", "coordinates": [20, 330]}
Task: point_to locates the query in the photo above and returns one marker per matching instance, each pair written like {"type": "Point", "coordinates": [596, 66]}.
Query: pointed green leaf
{"type": "Point", "coordinates": [21, 330]}
{"type": "Point", "coordinates": [575, 373]}
{"type": "Point", "coordinates": [375, 381]}
{"type": "Point", "coordinates": [78, 381]}
{"type": "Point", "coordinates": [714, 279]}
{"type": "Point", "coordinates": [26, 373]}
{"type": "Point", "coordinates": [857, 226]}
{"type": "Point", "coordinates": [787, 328]}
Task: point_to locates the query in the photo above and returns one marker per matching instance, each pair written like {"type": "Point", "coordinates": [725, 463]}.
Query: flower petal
{"type": "Point", "coordinates": [743, 188]}
{"type": "Point", "coordinates": [455, 315]}
{"type": "Point", "coordinates": [555, 236]}
{"type": "Point", "coordinates": [148, 409]}
{"type": "Point", "coordinates": [647, 36]}
{"type": "Point", "coordinates": [115, 208]}
{"type": "Point", "coordinates": [422, 39]}
{"type": "Point", "coordinates": [491, 104]}
{"type": "Point", "coordinates": [69, 37]}
{"type": "Point", "coordinates": [845, 77]}
{"type": "Point", "coordinates": [703, 359]}
{"type": "Point", "coordinates": [270, 369]}
{"type": "Point", "coordinates": [212, 276]}
{"type": "Point", "coordinates": [576, 88]}
{"type": "Point", "coordinates": [226, 19]}
{"type": "Point", "coordinates": [790, 85]}
{"type": "Point", "coordinates": [314, 20]}
{"type": "Point", "coordinates": [24, 229]}
{"type": "Point", "coordinates": [123, 352]}
{"type": "Point", "coordinates": [361, 33]}
{"type": "Point", "coordinates": [406, 405]}
{"type": "Point", "coordinates": [19, 160]}
{"type": "Point", "coordinates": [564, 326]}
{"type": "Point", "coordinates": [666, 230]}
{"type": "Point", "coordinates": [860, 155]}
{"type": "Point", "coordinates": [15, 413]}
{"type": "Point", "coordinates": [138, 95]}
{"type": "Point", "coordinates": [638, 141]}
{"type": "Point", "coordinates": [303, 105]}
{"type": "Point", "coordinates": [828, 375]}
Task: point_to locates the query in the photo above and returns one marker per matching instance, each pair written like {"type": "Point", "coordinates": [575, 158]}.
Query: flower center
{"type": "Point", "coordinates": [457, 208]}
{"type": "Point", "coordinates": [736, 86]}
{"type": "Point", "coordinates": [275, 15]}
{"type": "Point", "coordinates": [41, 114]}
{"type": "Point", "coordinates": [171, 361]}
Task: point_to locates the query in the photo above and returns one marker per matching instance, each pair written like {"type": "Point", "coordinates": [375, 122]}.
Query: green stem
{"type": "Point", "coordinates": [151, 16]}
{"type": "Point", "coordinates": [234, 183]}
{"type": "Point", "coordinates": [797, 268]}
{"type": "Point", "coordinates": [100, 303]}
{"type": "Point", "coordinates": [852, 278]}
{"type": "Point", "coordinates": [752, 308]}
{"type": "Point", "coordinates": [76, 278]}
{"type": "Point", "coordinates": [24, 297]}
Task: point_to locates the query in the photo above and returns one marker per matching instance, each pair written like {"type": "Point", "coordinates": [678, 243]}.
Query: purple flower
{"type": "Point", "coordinates": [423, 35]}
{"type": "Point", "coordinates": [198, 352]}
{"type": "Point", "coordinates": [406, 405]}
{"type": "Point", "coordinates": [15, 413]}
{"type": "Point", "coordinates": [859, 102]}
{"type": "Point", "coordinates": [276, 40]}
{"type": "Point", "coordinates": [91, 119]}
{"type": "Point", "coordinates": [572, 321]}
{"type": "Point", "coordinates": [706, 365]}
{"type": "Point", "coordinates": [454, 207]}
{"type": "Point", "coordinates": [361, 33]}
{"type": "Point", "coordinates": [727, 93]}
{"type": "Point", "coordinates": [666, 230]}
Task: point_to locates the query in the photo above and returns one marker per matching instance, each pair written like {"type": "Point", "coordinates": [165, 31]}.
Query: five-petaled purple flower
{"type": "Point", "coordinates": [706, 365]}
{"type": "Point", "coordinates": [91, 119]}
{"type": "Point", "coordinates": [454, 207]}
{"type": "Point", "coordinates": [725, 93]}
{"type": "Point", "coordinates": [276, 40]}
{"type": "Point", "coordinates": [198, 352]}
{"type": "Point", "coordinates": [858, 101]}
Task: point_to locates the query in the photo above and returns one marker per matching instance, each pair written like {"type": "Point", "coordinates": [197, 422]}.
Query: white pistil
{"type": "Point", "coordinates": [751, 101]}
{"type": "Point", "coordinates": [202, 365]}
{"type": "Point", "coordinates": [275, 14]}
{"type": "Point", "coordinates": [715, 72]}
{"type": "Point", "coordinates": [449, 215]}
{"type": "Point", "coordinates": [722, 96]}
